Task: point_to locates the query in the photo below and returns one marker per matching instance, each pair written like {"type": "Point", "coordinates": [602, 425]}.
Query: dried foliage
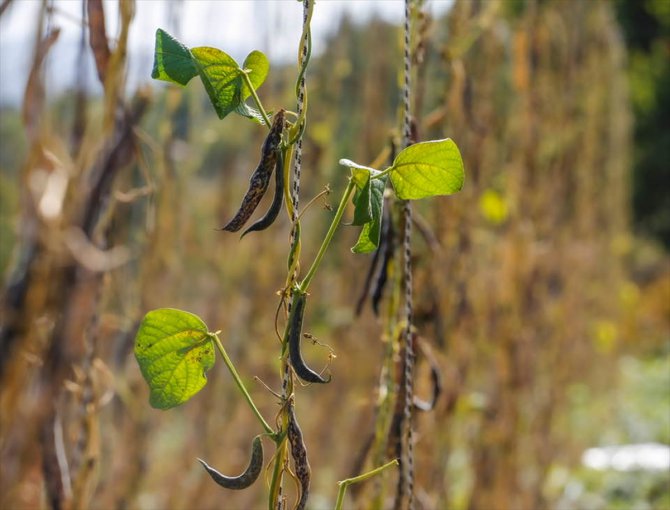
{"type": "Point", "coordinates": [520, 288]}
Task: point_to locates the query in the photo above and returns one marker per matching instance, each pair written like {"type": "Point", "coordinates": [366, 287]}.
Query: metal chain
{"type": "Point", "coordinates": [407, 250]}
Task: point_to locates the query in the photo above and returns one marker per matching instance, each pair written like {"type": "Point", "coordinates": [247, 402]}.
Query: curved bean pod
{"type": "Point", "coordinates": [278, 200]}
{"type": "Point", "coordinates": [435, 378]}
{"type": "Point", "coordinates": [260, 179]}
{"type": "Point", "coordinates": [388, 244]}
{"type": "Point", "coordinates": [299, 454]}
{"type": "Point", "coordinates": [429, 405]}
{"type": "Point", "coordinates": [368, 277]}
{"type": "Point", "coordinates": [249, 475]}
{"type": "Point", "coordinates": [294, 336]}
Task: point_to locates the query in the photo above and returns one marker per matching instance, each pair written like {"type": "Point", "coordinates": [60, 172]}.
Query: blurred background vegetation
{"type": "Point", "coordinates": [543, 288]}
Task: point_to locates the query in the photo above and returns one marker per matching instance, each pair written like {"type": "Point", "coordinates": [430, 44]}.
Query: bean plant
{"type": "Point", "coordinates": [175, 349]}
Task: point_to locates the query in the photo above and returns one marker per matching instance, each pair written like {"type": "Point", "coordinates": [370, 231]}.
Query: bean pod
{"type": "Point", "coordinates": [388, 245]}
{"type": "Point", "coordinates": [294, 336]}
{"type": "Point", "coordinates": [272, 213]}
{"type": "Point", "coordinates": [260, 179]}
{"type": "Point", "coordinates": [299, 453]}
{"type": "Point", "coordinates": [435, 378]}
{"type": "Point", "coordinates": [249, 476]}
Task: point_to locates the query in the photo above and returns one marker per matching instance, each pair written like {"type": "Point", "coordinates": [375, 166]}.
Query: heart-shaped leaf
{"type": "Point", "coordinates": [173, 61]}
{"type": "Point", "coordinates": [257, 67]}
{"type": "Point", "coordinates": [221, 75]}
{"type": "Point", "coordinates": [427, 169]}
{"type": "Point", "coordinates": [174, 350]}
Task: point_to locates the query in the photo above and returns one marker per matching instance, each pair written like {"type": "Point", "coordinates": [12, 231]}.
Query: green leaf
{"type": "Point", "coordinates": [427, 169]}
{"type": "Point", "coordinates": [173, 61]}
{"type": "Point", "coordinates": [174, 350]}
{"type": "Point", "coordinates": [249, 112]}
{"type": "Point", "coordinates": [220, 74]}
{"type": "Point", "coordinates": [368, 205]}
{"type": "Point", "coordinates": [368, 240]}
{"type": "Point", "coordinates": [222, 78]}
{"type": "Point", "coordinates": [257, 66]}
{"type": "Point", "coordinates": [362, 207]}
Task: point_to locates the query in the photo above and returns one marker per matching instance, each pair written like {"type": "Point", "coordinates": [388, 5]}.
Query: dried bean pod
{"type": "Point", "coordinates": [278, 200]}
{"type": "Point", "coordinates": [435, 379]}
{"type": "Point", "coordinates": [389, 246]}
{"type": "Point", "coordinates": [299, 454]}
{"type": "Point", "coordinates": [245, 479]}
{"type": "Point", "coordinates": [386, 247]}
{"type": "Point", "coordinates": [260, 179]}
{"type": "Point", "coordinates": [294, 336]}
{"type": "Point", "coordinates": [372, 269]}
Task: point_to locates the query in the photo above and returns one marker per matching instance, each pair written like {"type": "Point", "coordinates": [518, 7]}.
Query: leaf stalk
{"type": "Point", "coordinates": [257, 100]}
{"type": "Point", "coordinates": [360, 478]}
{"type": "Point", "coordinates": [238, 380]}
{"type": "Point", "coordinates": [329, 236]}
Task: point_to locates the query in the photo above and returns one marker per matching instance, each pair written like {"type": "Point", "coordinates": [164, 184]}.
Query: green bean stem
{"type": "Point", "coordinates": [257, 100]}
{"type": "Point", "coordinates": [356, 479]}
{"type": "Point", "coordinates": [329, 236]}
{"type": "Point", "coordinates": [241, 386]}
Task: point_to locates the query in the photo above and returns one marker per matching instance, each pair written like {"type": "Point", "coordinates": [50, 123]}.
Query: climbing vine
{"type": "Point", "coordinates": [175, 349]}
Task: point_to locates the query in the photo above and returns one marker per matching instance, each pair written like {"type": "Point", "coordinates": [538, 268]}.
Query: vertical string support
{"type": "Point", "coordinates": [303, 59]}
{"type": "Point", "coordinates": [304, 52]}
{"type": "Point", "coordinates": [408, 464]}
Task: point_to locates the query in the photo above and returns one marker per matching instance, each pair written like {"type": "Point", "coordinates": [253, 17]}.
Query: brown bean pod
{"type": "Point", "coordinates": [294, 336]}
{"type": "Point", "coordinates": [299, 454]}
{"type": "Point", "coordinates": [429, 405]}
{"type": "Point", "coordinates": [435, 379]}
{"type": "Point", "coordinates": [249, 475]}
{"type": "Point", "coordinates": [260, 179]}
{"type": "Point", "coordinates": [372, 269]}
{"type": "Point", "coordinates": [272, 213]}
{"type": "Point", "coordinates": [388, 242]}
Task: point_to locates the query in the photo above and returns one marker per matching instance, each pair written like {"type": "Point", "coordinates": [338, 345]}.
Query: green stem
{"type": "Point", "coordinates": [257, 99]}
{"type": "Point", "coordinates": [382, 174]}
{"type": "Point", "coordinates": [241, 386]}
{"type": "Point", "coordinates": [329, 236]}
{"type": "Point", "coordinates": [360, 478]}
